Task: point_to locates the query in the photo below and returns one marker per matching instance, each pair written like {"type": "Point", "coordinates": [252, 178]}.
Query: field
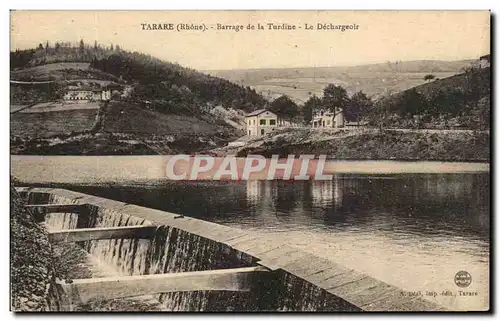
{"type": "Point", "coordinates": [373, 84]}
{"type": "Point", "coordinates": [53, 118]}
{"type": "Point", "coordinates": [120, 129]}
{"type": "Point", "coordinates": [45, 124]}
{"type": "Point", "coordinates": [130, 118]}
{"type": "Point", "coordinates": [64, 71]}
{"type": "Point", "coordinates": [44, 71]}
{"type": "Point", "coordinates": [55, 107]}
{"type": "Point", "coordinates": [374, 80]}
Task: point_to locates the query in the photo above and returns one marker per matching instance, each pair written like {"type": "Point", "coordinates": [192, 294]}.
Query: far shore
{"type": "Point", "coordinates": [152, 168]}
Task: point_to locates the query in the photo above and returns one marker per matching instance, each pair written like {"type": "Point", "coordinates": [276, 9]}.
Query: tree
{"type": "Point", "coordinates": [429, 77]}
{"type": "Point", "coordinates": [82, 45]}
{"type": "Point", "coordinates": [475, 86]}
{"type": "Point", "coordinates": [412, 103]}
{"type": "Point", "coordinates": [40, 46]}
{"type": "Point", "coordinates": [312, 104]}
{"type": "Point", "coordinates": [359, 107]}
{"type": "Point", "coordinates": [481, 113]}
{"type": "Point", "coordinates": [284, 107]}
{"type": "Point", "coordinates": [335, 99]}
{"type": "Point", "coordinates": [446, 102]}
{"type": "Point", "coordinates": [379, 114]}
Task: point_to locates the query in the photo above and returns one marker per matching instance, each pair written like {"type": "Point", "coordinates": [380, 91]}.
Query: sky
{"type": "Point", "coordinates": [381, 36]}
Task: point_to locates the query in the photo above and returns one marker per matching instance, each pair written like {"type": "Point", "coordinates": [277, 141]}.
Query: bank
{"type": "Point", "coordinates": [371, 144]}
{"type": "Point", "coordinates": [33, 273]}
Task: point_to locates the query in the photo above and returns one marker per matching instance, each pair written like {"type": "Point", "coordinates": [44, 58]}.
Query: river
{"type": "Point", "coordinates": [414, 229]}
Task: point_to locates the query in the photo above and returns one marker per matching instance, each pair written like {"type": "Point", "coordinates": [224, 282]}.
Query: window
{"type": "Point", "coordinates": [262, 121]}
{"type": "Point", "coordinates": [254, 121]}
{"type": "Point", "coordinates": [323, 123]}
{"type": "Point", "coordinates": [249, 132]}
{"type": "Point", "coordinates": [249, 122]}
{"type": "Point", "coordinates": [262, 131]}
{"type": "Point", "coordinates": [272, 122]}
{"type": "Point", "coordinates": [327, 123]}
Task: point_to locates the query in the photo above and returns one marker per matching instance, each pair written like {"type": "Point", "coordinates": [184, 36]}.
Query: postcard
{"type": "Point", "coordinates": [250, 161]}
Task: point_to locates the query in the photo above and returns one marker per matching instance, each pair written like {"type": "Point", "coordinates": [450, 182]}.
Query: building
{"type": "Point", "coordinates": [84, 94]}
{"type": "Point", "coordinates": [260, 122]}
{"type": "Point", "coordinates": [327, 119]}
{"type": "Point", "coordinates": [484, 61]}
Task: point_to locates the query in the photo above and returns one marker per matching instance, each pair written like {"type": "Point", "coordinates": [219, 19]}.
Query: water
{"type": "Point", "coordinates": [412, 230]}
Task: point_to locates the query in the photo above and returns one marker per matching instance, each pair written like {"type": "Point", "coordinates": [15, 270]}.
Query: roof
{"type": "Point", "coordinates": [485, 57]}
{"type": "Point", "coordinates": [84, 89]}
{"type": "Point", "coordinates": [258, 112]}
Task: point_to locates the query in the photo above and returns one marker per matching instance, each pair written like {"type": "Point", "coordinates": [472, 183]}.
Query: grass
{"type": "Point", "coordinates": [69, 261]}
{"type": "Point", "coordinates": [59, 106]}
{"type": "Point", "coordinates": [45, 71]}
{"type": "Point", "coordinates": [456, 82]}
{"type": "Point", "coordinates": [131, 118]}
{"type": "Point", "coordinates": [64, 71]}
{"type": "Point", "coordinates": [118, 305]}
{"type": "Point", "coordinates": [125, 129]}
{"type": "Point", "coordinates": [52, 123]}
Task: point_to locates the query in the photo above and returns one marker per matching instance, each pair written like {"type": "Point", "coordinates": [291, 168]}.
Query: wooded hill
{"type": "Point", "coordinates": [168, 86]}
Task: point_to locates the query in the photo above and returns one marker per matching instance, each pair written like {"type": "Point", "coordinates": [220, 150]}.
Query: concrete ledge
{"type": "Point", "coordinates": [59, 208]}
{"type": "Point", "coordinates": [234, 280]}
{"type": "Point", "coordinates": [101, 233]}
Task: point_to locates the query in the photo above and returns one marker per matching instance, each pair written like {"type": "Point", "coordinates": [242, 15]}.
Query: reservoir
{"type": "Point", "coordinates": [410, 224]}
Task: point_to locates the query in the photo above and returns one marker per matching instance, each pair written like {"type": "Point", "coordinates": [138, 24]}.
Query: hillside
{"type": "Point", "coordinates": [118, 128]}
{"type": "Point", "coordinates": [418, 66]}
{"type": "Point", "coordinates": [156, 106]}
{"type": "Point", "coordinates": [166, 84]}
{"type": "Point", "coordinates": [64, 71]}
{"type": "Point", "coordinates": [370, 144]}
{"type": "Point", "coordinates": [460, 82]}
{"type": "Point", "coordinates": [132, 118]}
{"type": "Point", "coordinates": [373, 79]}
{"type": "Point", "coordinates": [462, 100]}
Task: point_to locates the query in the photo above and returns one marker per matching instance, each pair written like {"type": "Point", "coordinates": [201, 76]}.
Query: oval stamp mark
{"type": "Point", "coordinates": [463, 279]}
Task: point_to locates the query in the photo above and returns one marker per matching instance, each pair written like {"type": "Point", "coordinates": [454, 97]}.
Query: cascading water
{"type": "Point", "coordinates": [171, 250]}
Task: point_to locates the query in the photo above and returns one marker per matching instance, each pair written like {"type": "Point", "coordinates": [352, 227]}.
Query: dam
{"type": "Point", "coordinates": [188, 264]}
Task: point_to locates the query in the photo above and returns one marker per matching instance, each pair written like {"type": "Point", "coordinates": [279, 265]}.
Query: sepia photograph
{"type": "Point", "coordinates": [250, 161]}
